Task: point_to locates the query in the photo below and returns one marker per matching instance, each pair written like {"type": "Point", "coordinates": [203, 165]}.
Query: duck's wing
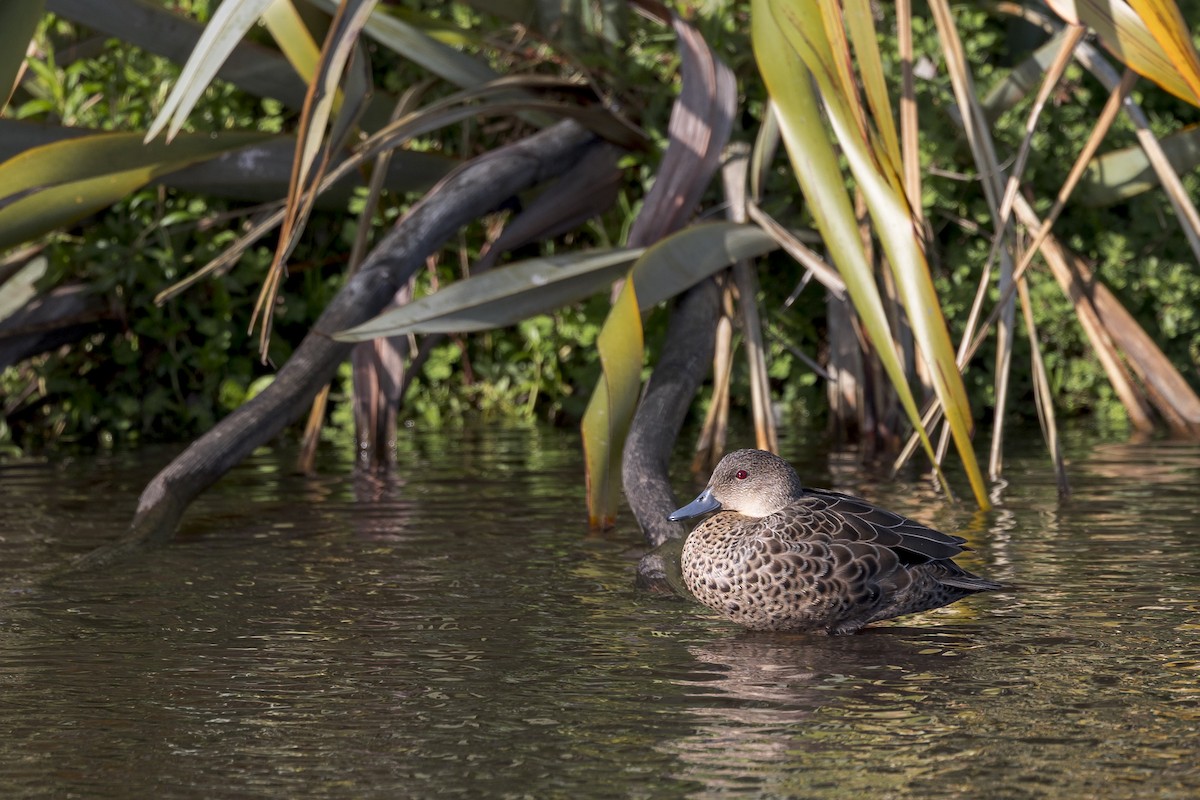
{"type": "Point", "coordinates": [851, 518]}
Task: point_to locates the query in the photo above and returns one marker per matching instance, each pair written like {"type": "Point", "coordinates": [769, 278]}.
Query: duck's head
{"type": "Point", "coordinates": [753, 483]}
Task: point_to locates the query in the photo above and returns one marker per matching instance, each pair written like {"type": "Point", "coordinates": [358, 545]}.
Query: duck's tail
{"type": "Point", "coordinates": [951, 574]}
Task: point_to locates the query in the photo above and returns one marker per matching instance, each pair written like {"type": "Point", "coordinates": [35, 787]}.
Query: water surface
{"type": "Point", "coordinates": [455, 631]}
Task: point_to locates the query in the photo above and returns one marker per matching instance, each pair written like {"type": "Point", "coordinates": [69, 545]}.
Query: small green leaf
{"type": "Point", "coordinates": [1121, 174]}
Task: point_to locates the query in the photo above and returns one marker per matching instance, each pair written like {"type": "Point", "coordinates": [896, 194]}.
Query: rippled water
{"type": "Point", "coordinates": [456, 631]}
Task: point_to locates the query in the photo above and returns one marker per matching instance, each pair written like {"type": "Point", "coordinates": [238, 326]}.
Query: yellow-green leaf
{"type": "Point", "coordinates": [293, 37]}
{"type": "Point", "coordinates": [1152, 41]}
{"type": "Point", "coordinates": [860, 22]}
{"type": "Point", "coordinates": [610, 410]}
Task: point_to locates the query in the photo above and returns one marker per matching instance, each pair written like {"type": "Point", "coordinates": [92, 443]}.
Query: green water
{"type": "Point", "coordinates": [455, 631]}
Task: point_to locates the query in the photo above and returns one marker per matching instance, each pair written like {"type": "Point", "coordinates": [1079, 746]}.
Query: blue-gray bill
{"type": "Point", "coordinates": [705, 503]}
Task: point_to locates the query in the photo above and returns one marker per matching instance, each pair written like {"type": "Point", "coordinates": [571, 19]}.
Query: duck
{"type": "Point", "coordinates": [772, 555]}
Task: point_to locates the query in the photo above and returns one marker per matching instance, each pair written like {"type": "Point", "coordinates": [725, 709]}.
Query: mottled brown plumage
{"type": "Point", "coordinates": [779, 557]}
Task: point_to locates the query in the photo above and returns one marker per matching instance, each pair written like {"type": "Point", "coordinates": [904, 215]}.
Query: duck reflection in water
{"type": "Point", "coordinates": [770, 708]}
{"type": "Point", "coordinates": [775, 556]}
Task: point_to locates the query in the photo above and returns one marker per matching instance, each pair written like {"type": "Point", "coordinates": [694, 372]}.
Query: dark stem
{"type": "Point", "coordinates": [686, 357]}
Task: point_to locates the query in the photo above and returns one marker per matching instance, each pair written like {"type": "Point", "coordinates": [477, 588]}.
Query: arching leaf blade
{"type": "Point", "coordinates": [674, 264]}
{"type": "Point", "coordinates": [683, 259]}
{"type": "Point", "coordinates": [538, 285]}
{"type": "Point", "coordinates": [56, 184]}
{"type": "Point", "coordinates": [502, 296]}
{"type": "Point", "coordinates": [93, 156]}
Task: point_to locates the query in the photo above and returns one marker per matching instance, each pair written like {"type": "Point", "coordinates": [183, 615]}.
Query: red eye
{"type": "Point", "coordinates": [741, 475]}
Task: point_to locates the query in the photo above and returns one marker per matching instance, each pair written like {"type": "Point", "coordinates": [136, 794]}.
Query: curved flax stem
{"type": "Point", "coordinates": [686, 356]}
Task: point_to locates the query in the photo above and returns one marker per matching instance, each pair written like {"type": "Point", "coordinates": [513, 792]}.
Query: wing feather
{"type": "Point", "coordinates": [857, 520]}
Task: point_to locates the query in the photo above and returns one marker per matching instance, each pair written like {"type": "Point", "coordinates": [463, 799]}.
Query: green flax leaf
{"type": "Point", "coordinates": [50, 186]}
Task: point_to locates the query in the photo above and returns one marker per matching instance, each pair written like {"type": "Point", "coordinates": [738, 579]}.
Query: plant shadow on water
{"type": "Point", "coordinates": [454, 631]}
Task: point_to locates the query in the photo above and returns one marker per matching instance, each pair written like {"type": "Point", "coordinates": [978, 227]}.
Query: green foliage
{"type": "Point", "coordinates": [159, 372]}
{"type": "Point", "coordinates": [164, 372]}
{"type": "Point", "coordinates": [535, 370]}
{"type": "Point", "coordinates": [121, 87]}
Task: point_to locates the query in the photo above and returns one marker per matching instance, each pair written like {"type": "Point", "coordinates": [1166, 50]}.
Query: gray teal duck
{"type": "Point", "coordinates": [776, 556]}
